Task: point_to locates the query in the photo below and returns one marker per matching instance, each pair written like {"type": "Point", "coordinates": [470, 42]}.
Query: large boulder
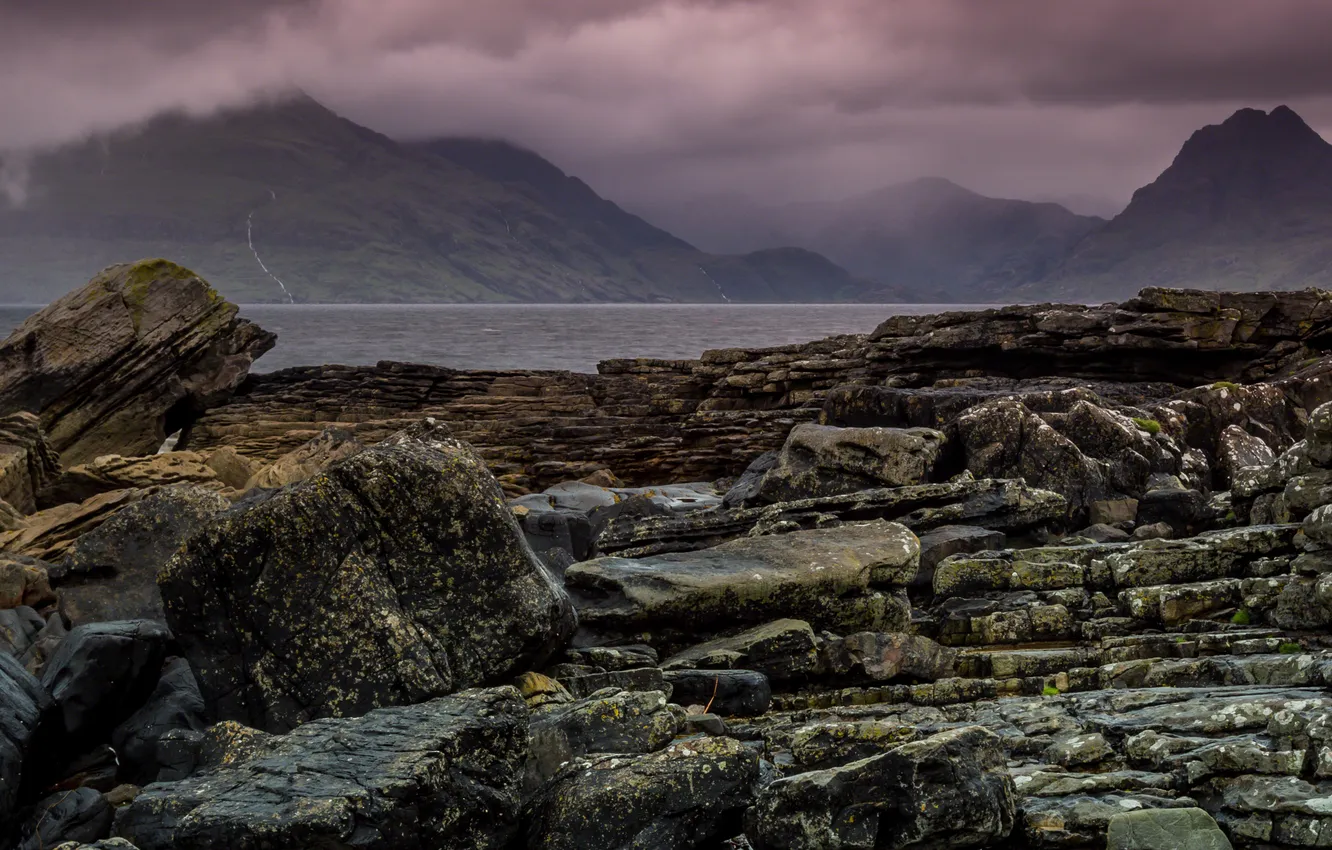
{"type": "Point", "coordinates": [692, 794]}
{"type": "Point", "coordinates": [442, 774]}
{"type": "Point", "coordinates": [948, 790]}
{"type": "Point", "coordinates": [1003, 439]}
{"type": "Point", "coordinates": [1165, 829]}
{"type": "Point", "coordinates": [110, 573]}
{"type": "Point", "coordinates": [826, 576]}
{"type": "Point", "coordinates": [114, 367]}
{"type": "Point", "coordinates": [609, 721]}
{"type": "Point", "coordinates": [175, 704]}
{"type": "Point", "coordinates": [77, 815]}
{"type": "Point", "coordinates": [819, 460]}
{"type": "Point", "coordinates": [22, 703]}
{"type": "Point", "coordinates": [27, 461]}
{"type": "Point", "coordinates": [97, 678]}
{"type": "Point", "coordinates": [394, 576]}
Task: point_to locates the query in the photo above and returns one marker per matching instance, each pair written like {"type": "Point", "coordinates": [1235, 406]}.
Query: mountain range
{"type": "Point", "coordinates": [289, 201]}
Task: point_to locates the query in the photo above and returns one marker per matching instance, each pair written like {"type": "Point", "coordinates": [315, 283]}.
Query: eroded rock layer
{"type": "Point", "coordinates": [652, 421]}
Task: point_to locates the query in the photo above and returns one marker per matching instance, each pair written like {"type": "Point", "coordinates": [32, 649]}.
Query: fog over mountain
{"type": "Point", "coordinates": [657, 102]}
{"type": "Point", "coordinates": [711, 119]}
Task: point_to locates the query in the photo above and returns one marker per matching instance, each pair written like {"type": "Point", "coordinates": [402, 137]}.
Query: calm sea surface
{"type": "Point", "coordinates": [540, 336]}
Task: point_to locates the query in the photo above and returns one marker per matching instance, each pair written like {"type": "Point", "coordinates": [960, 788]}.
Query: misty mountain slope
{"type": "Point", "coordinates": [338, 212]}
{"type": "Point", "coordinates": [1246, 204]}
{"type": "Point", "coordinates": [932, 235]}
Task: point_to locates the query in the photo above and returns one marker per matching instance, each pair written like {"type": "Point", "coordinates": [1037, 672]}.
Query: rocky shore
{"type": "Point", "coordinates": [1046, 576]}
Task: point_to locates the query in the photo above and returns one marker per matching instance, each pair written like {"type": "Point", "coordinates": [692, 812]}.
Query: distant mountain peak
{"type": "Point", "coordinates": [1250, 134]}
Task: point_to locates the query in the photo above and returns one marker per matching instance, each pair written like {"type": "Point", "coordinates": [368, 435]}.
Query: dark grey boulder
{"type": "Point", "coordinates": [22, 703]}
{"type": "Point", "coordinates": [393, 576]}
{"type": "Point", "coordinates": [175, 704]}
{"type": "Point", "coordinates": [783, 650]}
{"type": "Point", "coordinates": [609, 721]}
{"type": "Point", "coordinates": [744, 492]}
{"type": "Point", "coordinates": [726, 693]}
{"type": "Point", "coordinates": [692, 794]}
{"type": "Point", "coordinates": [939, 543]}
{"type": "Point", "coordinates": [80, 815]}
{"type": "Point", "coordinates": [559, 528]}
{"type": "Point", "coordinates": [948, 790]}
{"type": "Point", "coordinates": [110, 573]}
{"type": "Point", "coordinates": [443, 774]}
{"type": "Point", "coordinates": [821, 460]}
{"type": "Point", "coordinates": [98, 677]}
{"type": "Point", "coordinates": [19, 628]}
{"type": "Point", "coordinates": [1183, 510]}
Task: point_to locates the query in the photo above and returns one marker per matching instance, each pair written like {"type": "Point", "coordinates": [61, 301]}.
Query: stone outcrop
{"type": "Point", "coordinates": [653, 421]}
{"type": "Point", "coordinates": [116, 366]}
{"type": "Point", "coordinates": [946, 790]}
{"type": "Point", "coordinates": [394, 576]}
{"type": "Point", "coordinates": [113, 472]}
{"type": "Point", "coordinates": [110, 573]}
{"type": "Point", "coordinates": [27, 461]}
{"type": "Point", "coordinates": [818, 460]}
{"type": "Point", "coordinates": [1007, 506]}
{"type": "Point", "coordinates": [305, 461]}
{"type": "Point", "coordinates": [443, 774]}
{"type": "Point", "coordinates": [913, 647]}
{"type": "Point", "coordinates": [49, 534]}
{"type": "Point", "coordinates": [851, 577]}
{"type": "Point", "coordinates": [690, 794]}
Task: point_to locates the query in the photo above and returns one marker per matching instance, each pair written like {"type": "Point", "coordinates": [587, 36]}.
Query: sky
{"type": "Point", "coordinates": [661, 103]}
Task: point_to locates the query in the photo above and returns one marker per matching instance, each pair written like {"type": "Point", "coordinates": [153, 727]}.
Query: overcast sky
{"type": "Point", "coordinates": [655, 100]}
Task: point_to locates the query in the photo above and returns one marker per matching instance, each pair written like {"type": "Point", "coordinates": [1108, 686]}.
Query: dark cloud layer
{"type": "Point", "coordinates": [658, 100]}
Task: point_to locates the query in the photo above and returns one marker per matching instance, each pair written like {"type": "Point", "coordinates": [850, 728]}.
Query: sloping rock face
{"type": "Point", "coordinates": [441, 774]}
{"type": "Point", "coordinates": [394, 576]}
{"type": "Point", "coordinates": [27, 461]}
{"type": "Point", "coordinates": [654, 421]}
{"type": "Point", "coordinates": [113, 472]}
{"type": "Point", "coordinates": [112, 368]}
{"type": "Point", "coordinates": [49, 534]}
{"type": "Point", "coordinates": [110, 573]}
{"type": "Point", "coordinates": [1006, 505]}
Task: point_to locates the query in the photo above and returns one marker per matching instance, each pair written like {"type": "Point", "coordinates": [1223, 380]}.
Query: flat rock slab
{"type": "Point", "coordinates": [1165, 829]}
{"type": "Point", "coordinates": [442, 774]}
{"type": "Point", "coordinates": [747, 581]}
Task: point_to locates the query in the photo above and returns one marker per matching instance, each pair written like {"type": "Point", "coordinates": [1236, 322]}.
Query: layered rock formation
{"type": "Point", "coordinates": [652, 421]}
{"type": "Point", "coordinates": [1035, 608]}
{"type": "Point", "coordinates": [116, 366]}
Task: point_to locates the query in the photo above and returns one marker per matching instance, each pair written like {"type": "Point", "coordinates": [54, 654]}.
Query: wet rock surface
{"type": "Point", "coordinates": [395, 575]}
{"type": "Point", "coordinates": [1038, 577]}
